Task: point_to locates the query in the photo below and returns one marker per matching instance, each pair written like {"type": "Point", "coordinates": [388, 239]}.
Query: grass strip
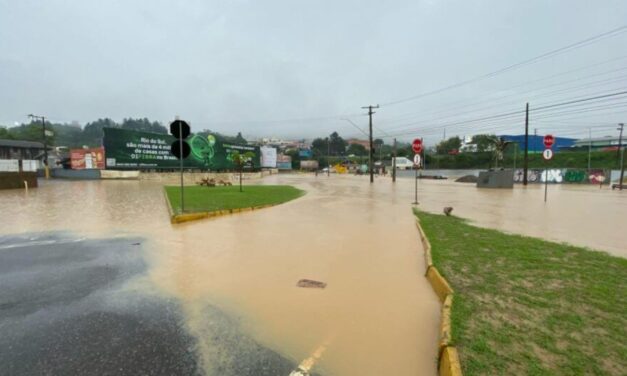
{"type": "Point", "coordinates": [205, 199]}
{"type": "Point", "coordinates": [526, 306]}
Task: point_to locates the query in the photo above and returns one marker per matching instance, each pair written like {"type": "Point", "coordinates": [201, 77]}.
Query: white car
{"type": "Point", "coordinates": [403, 163]}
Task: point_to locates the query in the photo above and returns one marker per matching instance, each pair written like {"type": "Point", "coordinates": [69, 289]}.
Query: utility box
{"type": "Point", "coordinates": [496, 179]}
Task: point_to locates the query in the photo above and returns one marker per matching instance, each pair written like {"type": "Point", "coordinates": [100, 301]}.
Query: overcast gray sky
{"type": "Point", "coordinates": [241, 65]}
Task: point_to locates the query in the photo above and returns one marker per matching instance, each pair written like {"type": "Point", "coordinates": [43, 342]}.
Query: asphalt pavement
{"type": "Point", "coordinates": [66, 308]}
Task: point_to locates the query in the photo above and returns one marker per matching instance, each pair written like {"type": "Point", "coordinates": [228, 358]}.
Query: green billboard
{"type": "Point", "coordinates": [127, 149]}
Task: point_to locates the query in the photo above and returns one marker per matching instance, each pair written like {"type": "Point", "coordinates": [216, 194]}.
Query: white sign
{"type": "Point", "coordinates": [49, 133]}
{"type": "Point", "coordinates": [30, 165]}
{"type": "Point", "coordinates": [9, 165]}
{"type": "Point", "coordinates": [547, 154]}
{"type": "Point", "coordinates": [268, 157]}
{"type": "Point", "coordinates": [417, 160]}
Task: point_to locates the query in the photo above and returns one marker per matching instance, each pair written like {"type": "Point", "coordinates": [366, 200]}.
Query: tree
{"type": "Point", "coordinates": [4, 133]}
{"type": "Point", "coordinates": [499, 148]}
{"type": "Point", "coordinates": [293, 153]}
{"type": "Point", "coordinates": [337, 144]}
{"type": "Point", "coordinates": [320, 147]}
{"type": "Point", "coordinates": [444, 147]}
{"type": "Point", "coordinates": [240, 160]}
{"type": "Point", "coordinates": [356, 149]}
{"type": "Point", "coordinates": [484, 142]}
{"type": "Point", "coordinates": [32, 131]}
{"type": "Point", "coordinates": [239, 139]}
{"type": "Point", "coordinates": [144, 125]}
{"type": "Point", "coordinates": [92, 132]}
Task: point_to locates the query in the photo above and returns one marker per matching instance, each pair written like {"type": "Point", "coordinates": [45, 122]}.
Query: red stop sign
{"type": "Point", "coordinates": [549, 140]}
{"type": "Point", "coordinates": [417, 146]}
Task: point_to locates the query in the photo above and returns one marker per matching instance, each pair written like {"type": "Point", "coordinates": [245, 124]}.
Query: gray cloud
{"type": "Point", "coordinates": [231, 65]}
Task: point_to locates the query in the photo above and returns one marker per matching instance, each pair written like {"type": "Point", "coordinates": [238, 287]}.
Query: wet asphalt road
{"type": "Point", "coordinates": [66, 309]}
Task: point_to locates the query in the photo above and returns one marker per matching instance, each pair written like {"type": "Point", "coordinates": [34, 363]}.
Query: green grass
{"type": "Point", "coordinates": [525, 306]}
{"type": "Point", "coordinates": [200, 199]}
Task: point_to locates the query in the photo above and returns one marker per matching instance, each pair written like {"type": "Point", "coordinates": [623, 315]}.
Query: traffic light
{"type": "Point", "coordinates": [180, 130]}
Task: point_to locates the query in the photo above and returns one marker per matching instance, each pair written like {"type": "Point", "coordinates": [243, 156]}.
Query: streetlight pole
{"type": "Point", "coordinates": [43, 132]}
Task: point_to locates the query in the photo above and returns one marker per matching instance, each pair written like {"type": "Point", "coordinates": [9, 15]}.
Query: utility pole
{"type": "Point", "coordinates": [622, 156]}
{"type": "Point", "coordinates": [394, 162]}
{"type": "Point", "coordinates": [370, 112]}
{"type": "Point", "coordinates": [526, 162]}
{"type": "Point", "coordinates": [589, 147]}
{"type": "Point", "coordinates": [328, 156]}
{"type": "Point", "coordinates": [43, 132]}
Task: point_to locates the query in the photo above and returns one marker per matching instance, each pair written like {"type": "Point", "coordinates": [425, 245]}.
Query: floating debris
{"type": "Point", "coordinates": [309, 283]}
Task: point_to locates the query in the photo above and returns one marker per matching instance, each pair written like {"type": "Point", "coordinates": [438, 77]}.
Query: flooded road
{"type": "Point", "coordinates": [377, 315]}
{"type": "Point", "coordinates": [582, 215]}
{"type": "Point", "coordinates": [227, 286]}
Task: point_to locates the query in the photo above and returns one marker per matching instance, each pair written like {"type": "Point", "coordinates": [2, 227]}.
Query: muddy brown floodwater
{"type": "Point", "coordinates": [377, 315]}
{"type": "Point", "coordinates": [582, 215]}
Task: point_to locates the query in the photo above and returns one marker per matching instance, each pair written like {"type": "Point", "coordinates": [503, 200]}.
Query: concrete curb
{"type": "Point", "coordinates": [186, 217]}
{"type": "Point", "coordinates": [448, 360]}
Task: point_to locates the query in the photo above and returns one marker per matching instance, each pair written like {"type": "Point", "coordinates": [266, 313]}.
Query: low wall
{"type": "Point", "coordinates": [192, 178]}
{"type": "Point", "coordinates": [85, 174]}
{"type": "Point", "coordinates": [15, 180]}
{"type": "Point", "coordinates": [119, 174]}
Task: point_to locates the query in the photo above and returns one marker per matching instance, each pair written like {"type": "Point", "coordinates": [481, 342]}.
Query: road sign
{"type": "Point", "coordinates": [549, 140]}
{"type": "Point", "coordinates": [417, 146]}
{"type": "Point", "coordinates": [179, 129]}
{"type": "Point", "coordinates": [547, 154]}
{"type": "Point", "coordinates": [417, 160]}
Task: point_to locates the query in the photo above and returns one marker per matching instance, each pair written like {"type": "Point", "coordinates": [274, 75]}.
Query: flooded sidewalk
{"type": "Point", "coordinates": [377, 314]}
{"type": "Point", "coordinates": [582, 215]}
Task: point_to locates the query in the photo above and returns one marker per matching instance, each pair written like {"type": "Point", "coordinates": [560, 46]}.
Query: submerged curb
{"type": "Point", "coordinates": [180, 218]}
{"type": "Point", "coordinates": [448, 360]}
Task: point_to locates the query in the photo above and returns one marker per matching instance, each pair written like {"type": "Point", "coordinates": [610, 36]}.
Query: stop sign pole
{"type": "Point", "coordinates": [549, 140]}
{"type": "Point", "coordinates": [417, 148]}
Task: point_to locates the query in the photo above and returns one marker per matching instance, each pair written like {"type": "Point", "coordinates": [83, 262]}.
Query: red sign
{"type": "Point", "coordinates": [87, 158]}
{"type": "Point", "coordinates": [549, 140]}
{"type": "Point", "coordinates": [417, 146]}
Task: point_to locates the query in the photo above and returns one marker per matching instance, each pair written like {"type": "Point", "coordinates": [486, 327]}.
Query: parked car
{"type": "Point", "coordinates": [403, 163]}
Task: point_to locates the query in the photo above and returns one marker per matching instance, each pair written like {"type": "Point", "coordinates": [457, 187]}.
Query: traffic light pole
{"type": "Point", "coordinates": [181, 160]}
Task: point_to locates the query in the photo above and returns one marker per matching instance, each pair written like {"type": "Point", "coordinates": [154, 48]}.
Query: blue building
{"type": "Point", "coordinates": [536, 143]}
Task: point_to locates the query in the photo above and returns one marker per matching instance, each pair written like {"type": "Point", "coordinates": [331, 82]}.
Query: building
{"type": "Point", "coordinates": [30, 150]}
{"type": "Point", "coordinates": [18, 149]}
{"type": "Point", "coordinates": [364, 143]}
{"type": "Point", "coordinates": [607, 142]}
{"type": "Point", "coordinates": [536, 143]}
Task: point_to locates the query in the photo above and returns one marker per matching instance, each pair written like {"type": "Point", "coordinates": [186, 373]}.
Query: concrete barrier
{"type": "Point", "coordinates": [448, 359]}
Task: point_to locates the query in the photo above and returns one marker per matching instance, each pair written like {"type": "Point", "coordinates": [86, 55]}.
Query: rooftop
{"type": "Point", "coordinates": [21, 144]}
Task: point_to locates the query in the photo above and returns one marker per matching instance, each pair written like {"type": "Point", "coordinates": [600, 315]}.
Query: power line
{"type": "Point", "coordinates": [582, 43]}
{"type": "Point", "coordinates": [503, 116]}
